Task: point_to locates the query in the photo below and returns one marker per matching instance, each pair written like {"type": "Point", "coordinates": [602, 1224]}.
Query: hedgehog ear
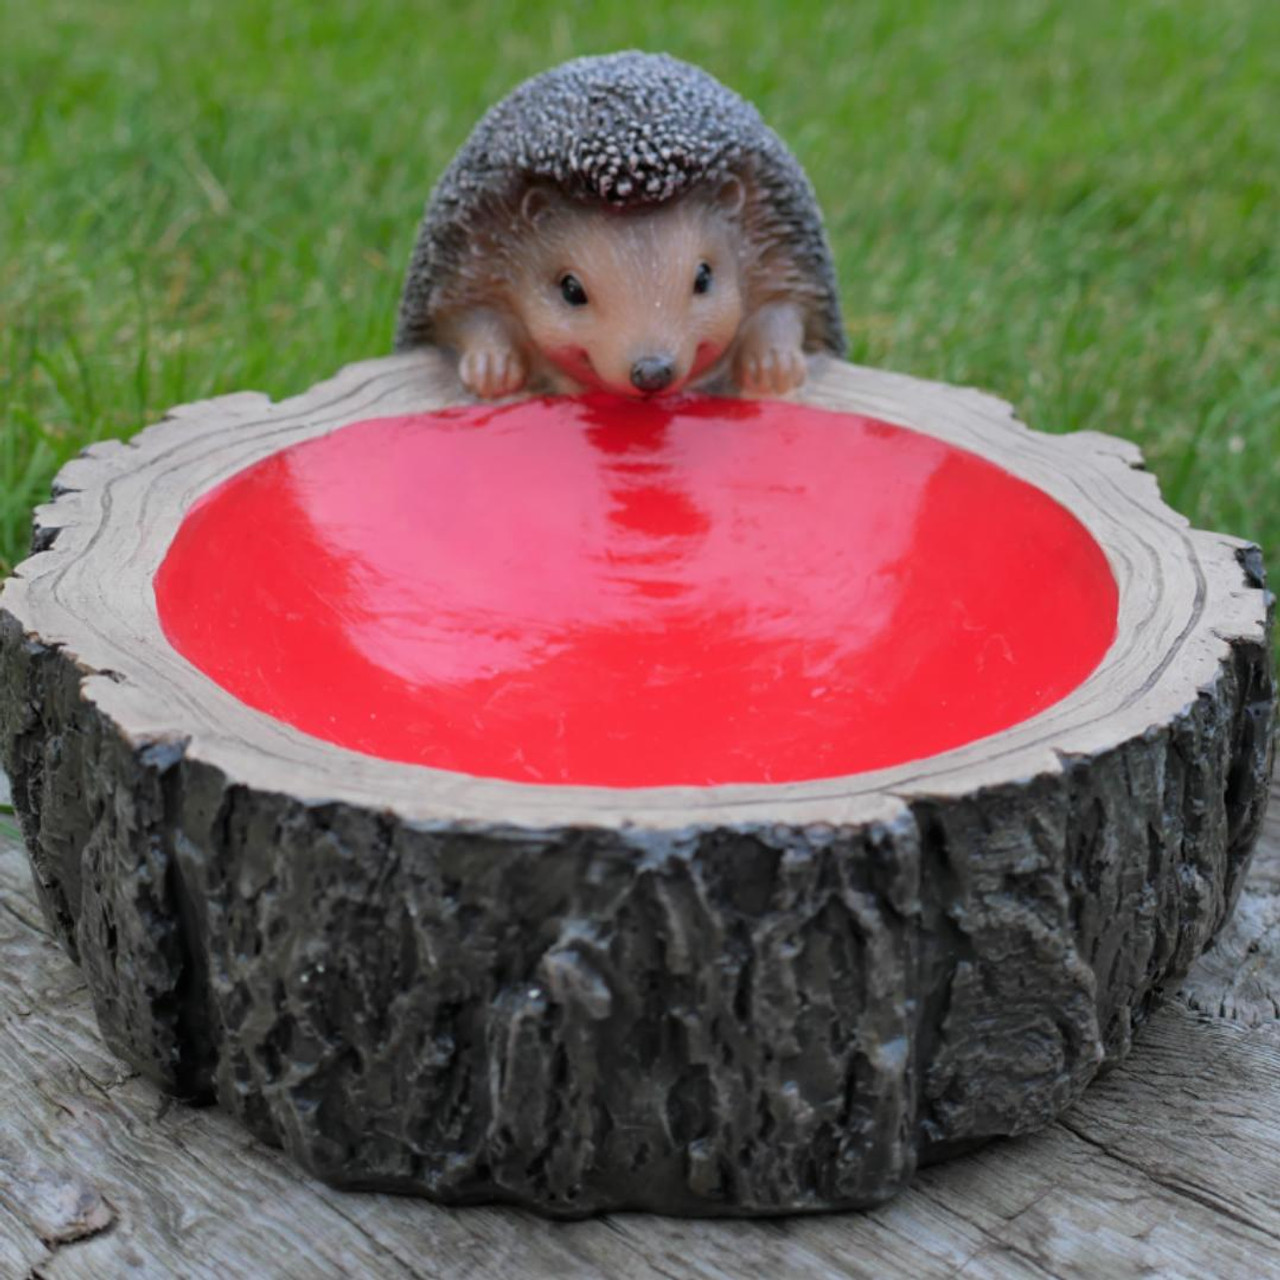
{"type": "Point", "coordinates": [535, 205]}
{"type": "Point", "coordinates": [731, 196]}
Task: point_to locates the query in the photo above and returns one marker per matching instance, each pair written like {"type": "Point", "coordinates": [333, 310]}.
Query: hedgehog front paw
{"type": "Point", "coordinates": [492, 371]}
{"type": "Point", "coordinates": [762, 370]}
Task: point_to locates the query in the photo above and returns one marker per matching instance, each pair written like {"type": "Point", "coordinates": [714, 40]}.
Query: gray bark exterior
{"type": "Point", "coordinates": [698, 1021]}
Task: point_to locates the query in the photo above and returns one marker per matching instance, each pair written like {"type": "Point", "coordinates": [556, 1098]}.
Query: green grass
{"type": "Point", "coordinates": [1075, 206]}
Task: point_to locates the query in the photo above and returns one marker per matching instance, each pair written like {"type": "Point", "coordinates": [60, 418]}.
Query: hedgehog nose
{"type": "Point", "coordinates": [652, 373]}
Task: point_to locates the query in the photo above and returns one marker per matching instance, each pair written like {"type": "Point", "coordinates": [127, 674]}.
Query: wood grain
{"type": "Point", "coordinates": [1169, 1167]}
{"type": "Point", "coordinates": [1183, 595]}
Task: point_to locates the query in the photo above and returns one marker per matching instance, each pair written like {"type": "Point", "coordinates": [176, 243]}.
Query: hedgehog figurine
{"type": "Point", "coordinates": [626, 224]}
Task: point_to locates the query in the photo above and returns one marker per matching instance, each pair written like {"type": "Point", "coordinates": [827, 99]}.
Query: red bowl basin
{"type": "Point", "coordinates": [598, 592]}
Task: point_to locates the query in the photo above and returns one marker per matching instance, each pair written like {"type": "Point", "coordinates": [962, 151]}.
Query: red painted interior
{"type": "Point", "coordinates": [637, 593]}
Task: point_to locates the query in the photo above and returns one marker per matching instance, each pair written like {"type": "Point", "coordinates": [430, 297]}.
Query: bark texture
{"type": "Point", "coordinates": [750, 1011]}
{"type": "Point", "coordinates": [1165, 1168]}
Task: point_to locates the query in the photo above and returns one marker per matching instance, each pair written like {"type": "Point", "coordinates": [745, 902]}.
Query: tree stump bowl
{"type": "Point", "coordinates": [608, 933]}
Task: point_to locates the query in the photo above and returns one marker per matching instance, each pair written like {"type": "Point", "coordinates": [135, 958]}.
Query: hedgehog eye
{"type": "Point", "coordinates": [702, 280]}
{"type": "Point", "coordinates": [572, 291]}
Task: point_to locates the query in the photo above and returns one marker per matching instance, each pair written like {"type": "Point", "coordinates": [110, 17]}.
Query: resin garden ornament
{"type": "Point", "coordinates": [628, 224]}
{"type": "Point", "coordinates": [648, 794]}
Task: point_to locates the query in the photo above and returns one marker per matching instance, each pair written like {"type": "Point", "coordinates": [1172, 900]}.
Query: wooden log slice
{"type": "Point", "coordinates": [729, 999]}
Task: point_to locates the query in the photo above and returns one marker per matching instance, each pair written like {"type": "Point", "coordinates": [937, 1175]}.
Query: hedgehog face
{"type": "Point", "coordinates": [636, 303]}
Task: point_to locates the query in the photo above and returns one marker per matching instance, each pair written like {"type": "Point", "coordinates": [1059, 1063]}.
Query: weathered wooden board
{"type": "Point", "coordinates": [1170, 1165]}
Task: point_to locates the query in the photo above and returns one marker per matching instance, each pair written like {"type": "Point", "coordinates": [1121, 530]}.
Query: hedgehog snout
{"type": "Point", "coordinates": [653, 373]}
